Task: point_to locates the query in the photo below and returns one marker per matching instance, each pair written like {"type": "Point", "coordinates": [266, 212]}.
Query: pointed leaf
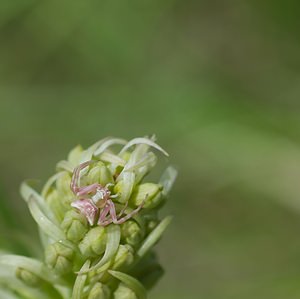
{"type": "Point", "coordinates": [167, 179]}
{"type": "Point", "coordinates": [113, 241]}
{"type": "Point", "coordinates": [30, 264]}
{"type": "Point", "coordinates": [107, 144]}
{"type": "Point", "coordinates": [80, 281]}
{"type": "Point", "coordinates": [147, 141]}
{"type": "Point", "coordinates": [46, 225]}
{"type": "Point", "coordinates": [153, 237]}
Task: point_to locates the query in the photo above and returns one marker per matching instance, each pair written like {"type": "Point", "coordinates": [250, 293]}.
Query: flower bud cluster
{"type": "Point", "coordinates": [89, 260]}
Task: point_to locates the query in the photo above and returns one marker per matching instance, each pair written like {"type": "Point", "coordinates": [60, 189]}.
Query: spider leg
{"type": "Point", "coordinates": [109, 208]}
{"type": "Point", "coordinates": [106, 222]}
{"type": "Point", "coordinates": [75, 177]}
{"type": "Point", "coordinates": [124, 208]}
{"type": "Point", "coordinates": [87, 189]}
{"type": "Point", "coordinates": [132, 213]}
{"type": "Point", "coordinates": [113, 213]}
{"type": "Point", "coordinates": [104, 212]}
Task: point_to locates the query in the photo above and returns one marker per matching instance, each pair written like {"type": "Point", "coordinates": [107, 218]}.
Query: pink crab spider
{"type": "Point", "coordinates": [95, 197]}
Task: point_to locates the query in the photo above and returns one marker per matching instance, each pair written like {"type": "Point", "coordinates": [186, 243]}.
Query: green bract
{"type": "Point", "coordinates": [84, 260]}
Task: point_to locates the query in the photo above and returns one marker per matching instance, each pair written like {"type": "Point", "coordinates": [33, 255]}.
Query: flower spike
{"type": "Point", "coordinates": [98, 222]}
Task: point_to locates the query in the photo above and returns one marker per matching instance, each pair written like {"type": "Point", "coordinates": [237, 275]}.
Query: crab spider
{"type": "Point", "coordinates": [93, 198]}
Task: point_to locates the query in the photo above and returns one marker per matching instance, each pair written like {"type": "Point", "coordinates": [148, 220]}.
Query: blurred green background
{"type": "Point", "coordinates": [216, 81]}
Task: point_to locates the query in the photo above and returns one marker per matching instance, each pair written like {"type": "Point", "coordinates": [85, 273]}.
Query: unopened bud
{"type": "Point", "coordinates": [74, 226]}
{"type": "Point", "coordinates": [151, 221]}
{"type": "Point", "coordinates": [63, 185]}
{"type": "Point", "coordinates": [151, 224]}
{"type": "Point", "coordinates": [94, 242]}
{"type": "Point", "coordinates": [123, 292]}
{"type": "Point", "coordinates": [99, 291]}
{"type": "Point", "coordinates": [75, 155]}
{"type": "Point", "coordinates": [56, 204]}
{"type": "Point", "coordinates": [131, 233]}
{"type": "Point", "coordinates": [141, 172]}
{"type": "Point", "coordinates": [59, 257]}
{"type": "Point", "coordinates": [99, 174]}
{"type": "Point", "coordinates": [28, 277]}
{"type": "Point", "coordinates": [123, 258]}
{"type": "Point", "coordinates": [124, 190]}
{"type": "Point", "coordinates": [149, 192]}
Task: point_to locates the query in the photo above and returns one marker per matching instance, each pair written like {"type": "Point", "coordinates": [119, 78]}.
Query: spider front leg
{"type": "Point", "coordinates": [111, 209]}
{"type": "Point", "coordinates": [86, 208]}
{"type": "Point", "coordinates": [78, 191]}
{"type": "Point", "coordinates": [103, 221]}
{"type": "Point", "coordinates": [124, 208]}
{"type": "Point", "coordinates": [75, 177]}
{"type": "Point", "coordinates": [128, 216]}
{"type": "Point", "coordinates": [88, 189]}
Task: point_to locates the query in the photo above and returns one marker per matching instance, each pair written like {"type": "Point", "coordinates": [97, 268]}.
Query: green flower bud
{"type": "Point", "coordinates": [28, 277]}
{"type": "Point", "coordinates": [94, 242]}
{"type": "Point", "coordinates": [151, 224]}
{"type": "Point", "coordinates": [131, 233]}
{"type": "Point", "coordinates": [119, 189]}
{"type": "Point", "coordinates": [150, 191]}
{"type": "Point", "coordinates": [74, 226]}
{"type": "Point", "coordinates": [143, 171]}
{"type": "Point", "coordinates": [151, 220]}
{"type": "Point", "coordinates": [63, 186]}
{"type": "Point", "coordinates": [59, 257]}
{"type": "Point", "coordinates": [99, 291]}
{"type": "Point", "coordinates": [34, 281]}
{"type": "Point", "coordinates": [93, 262]}
{"type": "Point", "coordinates": [123, 292]}
{"type": "Point", "coordinates": [99, 174]}
{"type": "Point", "coordinates": [59, 198]}
{"type": "Point", "coordinates": [123, 258]}
{"type": "Point", "coordinates": [75, 155]}
{"type": "Point", "coordinates": [56, 204]}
